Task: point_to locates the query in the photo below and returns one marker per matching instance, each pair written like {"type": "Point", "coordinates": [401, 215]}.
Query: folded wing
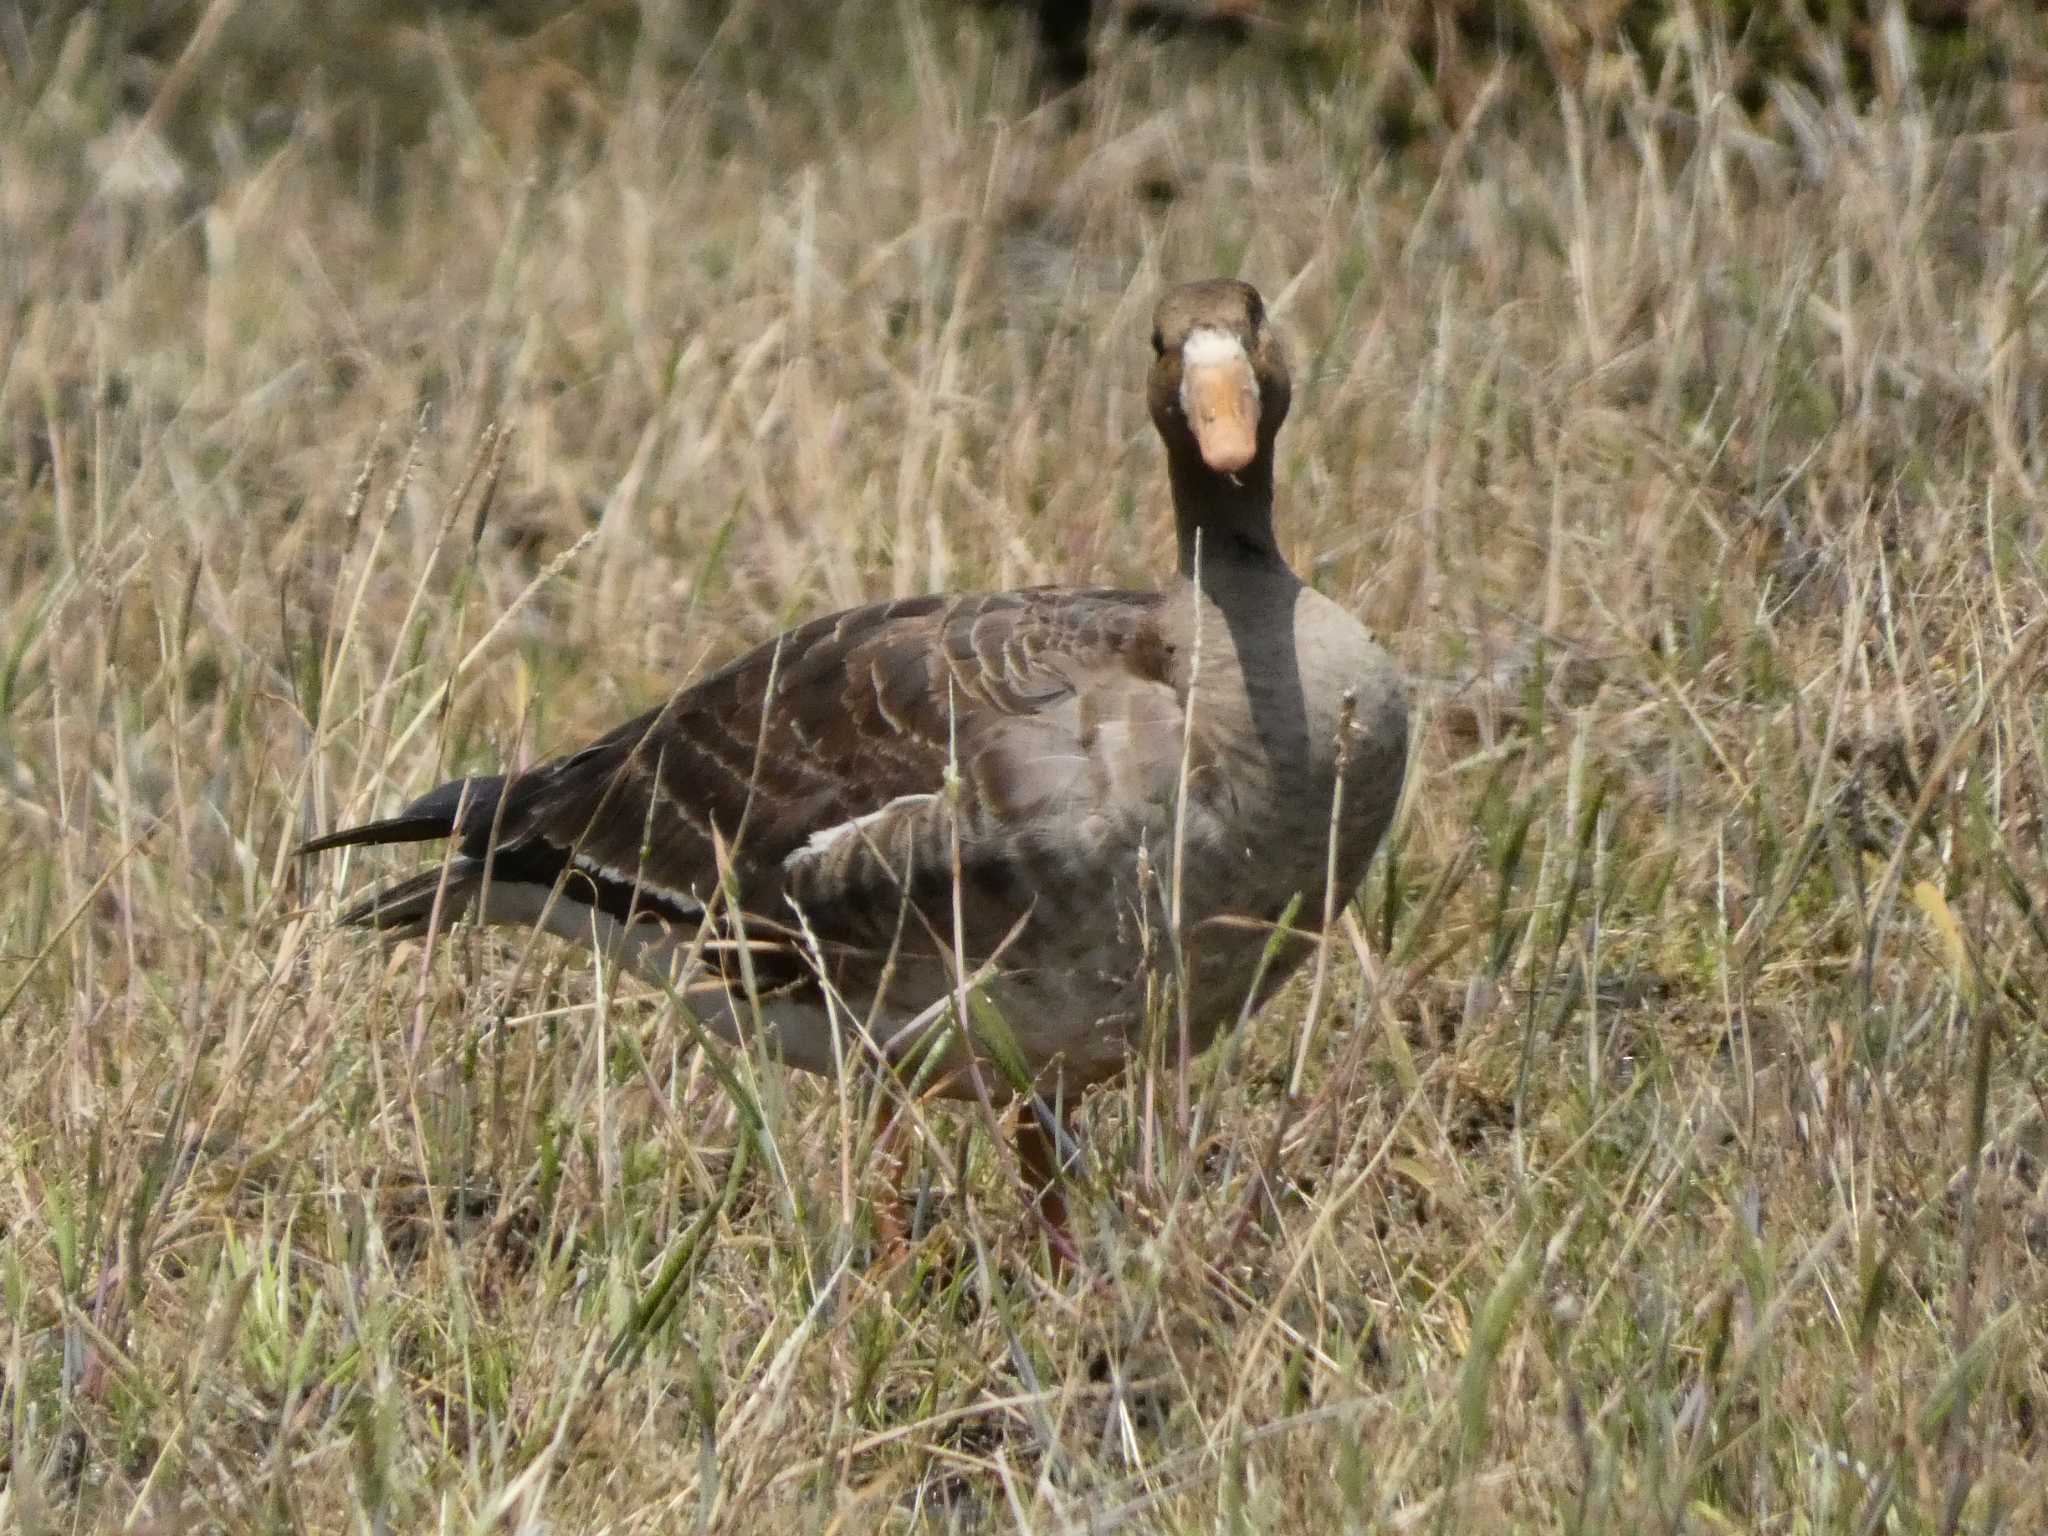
{"type": "Point", "coordinates": [813, 774]}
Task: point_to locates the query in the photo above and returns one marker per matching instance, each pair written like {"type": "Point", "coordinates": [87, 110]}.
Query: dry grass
{"type": "Point", "coordinates": [1674, 1163]}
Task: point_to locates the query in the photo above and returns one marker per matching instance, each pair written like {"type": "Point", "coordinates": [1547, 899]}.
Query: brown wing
{"type": "Point", "coordinates": [818, 762]}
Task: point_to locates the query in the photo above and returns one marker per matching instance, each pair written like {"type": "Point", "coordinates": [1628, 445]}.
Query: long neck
{"type": "Point", "coordinates": [1233, 514]}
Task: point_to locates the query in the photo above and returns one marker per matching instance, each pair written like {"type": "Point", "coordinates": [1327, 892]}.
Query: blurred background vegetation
{"type": "Point", "coordinates": [230, 78]}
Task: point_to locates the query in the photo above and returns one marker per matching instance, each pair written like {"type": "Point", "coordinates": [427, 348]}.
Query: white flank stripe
{"type": "Point", "coordinates": [688, 904]}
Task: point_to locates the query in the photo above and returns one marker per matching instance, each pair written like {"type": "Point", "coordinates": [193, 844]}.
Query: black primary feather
{"type": "Point", "coordinates": [427, 819]}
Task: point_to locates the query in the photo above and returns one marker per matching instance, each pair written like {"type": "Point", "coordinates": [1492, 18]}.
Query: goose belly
{"type": "Point", "coordinates": [1068, 1028]}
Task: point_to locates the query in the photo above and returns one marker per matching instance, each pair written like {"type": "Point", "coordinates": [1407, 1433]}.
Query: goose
{"type": "Point", "coordinates": [837, 838]}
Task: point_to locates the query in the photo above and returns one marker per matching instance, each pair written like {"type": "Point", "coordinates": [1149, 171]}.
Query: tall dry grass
{"type": "Point", "coordinates": [1670, 1154]}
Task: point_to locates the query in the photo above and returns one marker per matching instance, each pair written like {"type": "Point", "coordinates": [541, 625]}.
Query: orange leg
{"type": "Point", "coordinates": [1038, 1149]}
{"type": "Point", "coordinates": [892, 1214]}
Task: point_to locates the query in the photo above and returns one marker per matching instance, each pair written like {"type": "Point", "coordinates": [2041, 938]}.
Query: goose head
{"type": "Point", "coordinates": [1219, 386]}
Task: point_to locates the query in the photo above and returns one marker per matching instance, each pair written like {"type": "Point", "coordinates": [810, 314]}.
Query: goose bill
{"type": "Point", "coordinates": [1220, 394]}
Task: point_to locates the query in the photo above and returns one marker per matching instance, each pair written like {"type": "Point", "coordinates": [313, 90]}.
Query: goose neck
{"type": "Point", "coordinates": [1228, 517]}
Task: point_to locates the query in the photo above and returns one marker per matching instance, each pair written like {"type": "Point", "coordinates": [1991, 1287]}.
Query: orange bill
{"type": "Point", "coordinates": [1221, 399]}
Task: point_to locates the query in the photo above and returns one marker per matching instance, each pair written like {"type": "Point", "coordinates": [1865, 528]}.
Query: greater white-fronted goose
{"type": "Point", "coordinates": [813, 774]}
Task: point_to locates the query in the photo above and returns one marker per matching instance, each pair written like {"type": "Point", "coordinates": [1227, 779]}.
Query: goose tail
{"type": "Point", "coordinates": [459, 805]}
{"type": "Point", "coordinates": [405, 909]}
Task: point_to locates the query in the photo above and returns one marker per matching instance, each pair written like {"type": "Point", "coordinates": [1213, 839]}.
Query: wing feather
{"type": "Point", "coordinates": [816, 767]}
{"type": "Point", "coordinates": [857, 734]}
